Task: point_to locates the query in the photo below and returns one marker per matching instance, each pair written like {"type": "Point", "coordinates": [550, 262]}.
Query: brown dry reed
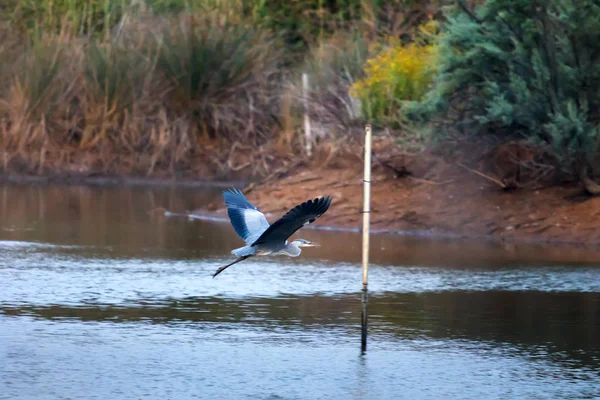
{"type": "Point", "coordinates": [112, 87]}
{"type": "Point", "coordinates": [154, 94]}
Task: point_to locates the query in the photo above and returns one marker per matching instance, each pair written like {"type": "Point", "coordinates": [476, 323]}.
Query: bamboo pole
{"type": "Point", "coordinates": [366, 220]}
{"type": "Point", "coordinates": [307, 132]}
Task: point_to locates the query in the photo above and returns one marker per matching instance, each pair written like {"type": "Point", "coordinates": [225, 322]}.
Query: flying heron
{"type": "Point", "coordinates": [263, 239]}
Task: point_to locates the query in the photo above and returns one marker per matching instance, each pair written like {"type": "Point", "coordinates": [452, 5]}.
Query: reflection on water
{"type": "Point", "coordinates": [130, 220]}
{"type": "Point", "coordinates": [101, 298]}
{"type": "Point", "coordinates": [445, 315]}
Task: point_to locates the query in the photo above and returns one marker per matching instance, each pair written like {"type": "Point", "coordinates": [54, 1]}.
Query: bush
{"type": "Point", "coordinates": [221, 74]}
{"type": "Point", "coordinates": [303, 21]}
{"type": "Point", "coordinates": [399, 73]}
{"type": "Point", "coordinates": [521, 68]}
{"type": "Point", "coordinates": [114, 79]}
{"type": "Point", "coordinates": [80, 16]}
{"type": "Point", "coordinates": [146, 98]}
{"type": "Point", "coordinates": [35, 93]}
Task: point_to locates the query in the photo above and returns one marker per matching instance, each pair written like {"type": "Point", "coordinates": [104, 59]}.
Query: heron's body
{"type": "Point", "coordinates": [290, 249]}
{"type": "Point", "coordinates": [263, 239]}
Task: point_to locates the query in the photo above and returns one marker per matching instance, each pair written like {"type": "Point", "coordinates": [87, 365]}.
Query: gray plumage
{"type": "Point", "coordinates": [246, 218]}
{"type": "Point", "coordinates": [263, 239]}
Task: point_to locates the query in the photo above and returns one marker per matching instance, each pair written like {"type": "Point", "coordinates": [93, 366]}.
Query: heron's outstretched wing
{"type": "Point", "coordinates": [296, 218]}
{"type": "Point", "coordinates": [246, 218]}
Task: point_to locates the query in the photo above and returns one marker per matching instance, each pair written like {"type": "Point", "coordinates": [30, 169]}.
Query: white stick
{"type": "Point", "coordinates": [307, 133]}
{"type": "Point", "coordinates": [366, 205]}
{"type": "Point", "coordinates": [366, 219]}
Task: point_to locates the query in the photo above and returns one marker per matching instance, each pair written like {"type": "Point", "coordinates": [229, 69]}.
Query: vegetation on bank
{"type": "Point", "coordinates": [398, 73]}
{"type": "Point", "coordinates": [143, 86]}
{"type": "Point", "coordinates": [522, 70]}
{"type": "Point", "coordinates": [140, 87]}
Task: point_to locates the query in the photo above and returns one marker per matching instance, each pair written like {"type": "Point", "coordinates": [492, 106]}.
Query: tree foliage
{"type": "Point", "coordinates": [527, 68]}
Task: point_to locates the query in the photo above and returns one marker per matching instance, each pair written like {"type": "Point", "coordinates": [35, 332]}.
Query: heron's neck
{"type": "Point", "coordinates": [293, 250]}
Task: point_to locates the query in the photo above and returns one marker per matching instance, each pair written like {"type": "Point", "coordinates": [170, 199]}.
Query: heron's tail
{"type": "Point", "coordinates": [230, 264]}
{"type": "Point", "coordinates": [244, 251]}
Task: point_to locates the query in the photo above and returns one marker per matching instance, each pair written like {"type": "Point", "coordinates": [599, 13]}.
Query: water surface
{"type": "Point", "coordinates": [102, 297]}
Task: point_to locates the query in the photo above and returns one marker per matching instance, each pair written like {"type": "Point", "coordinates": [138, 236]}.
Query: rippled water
{"type": "Point", "coordinates": [101, 297]}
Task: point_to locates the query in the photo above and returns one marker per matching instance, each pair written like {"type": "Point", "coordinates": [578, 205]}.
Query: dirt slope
{"type": "Point", "coordinates": [439, 198]}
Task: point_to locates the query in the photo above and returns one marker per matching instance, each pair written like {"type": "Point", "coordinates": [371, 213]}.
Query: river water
{"type": "Point", "coordinates": [102, 297]}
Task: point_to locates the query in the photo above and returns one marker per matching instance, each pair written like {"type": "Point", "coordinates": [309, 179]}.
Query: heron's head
{"type": "Point", "coordinates": [305, 243]}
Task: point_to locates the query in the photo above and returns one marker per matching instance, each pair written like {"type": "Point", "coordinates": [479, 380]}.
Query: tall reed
{"type": "Point", "coordinates": [163, 86]}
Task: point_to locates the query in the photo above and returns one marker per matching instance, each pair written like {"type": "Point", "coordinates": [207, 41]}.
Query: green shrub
{"type": "Point", "coordinates": [303, 21]}
{"type": "Point", "coordinates": [115, 74]}
{"type": "Point", "coordinates": [38, 86]}
{"type": "Point", "coordinates": [400, 72]}
{"type": "Point", "coordinates": [81, 16]}
{"type": "Point", "coordinates": [220, 73]}
{"type": "Point", "coordinates": [306, 22]}
{"type": "Point", "coordinates": [521, 68]}
{"type": "Point", "coordinates": [115, 77]}
{"type": "Point", "coordinates": [34, 94]}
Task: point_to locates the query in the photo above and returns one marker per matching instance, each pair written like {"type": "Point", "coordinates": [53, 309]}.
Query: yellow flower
{"type": "Point", "coordinates": [398, 72]}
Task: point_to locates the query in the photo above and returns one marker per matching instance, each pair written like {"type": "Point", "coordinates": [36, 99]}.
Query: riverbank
{"type": "Point", "coordinates": [416, 194]}
{"type": "Point", "coordinates": [427, 196]}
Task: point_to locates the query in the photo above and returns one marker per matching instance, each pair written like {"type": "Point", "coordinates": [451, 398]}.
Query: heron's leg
{"type": "Point", "coordinates": [242, 258]}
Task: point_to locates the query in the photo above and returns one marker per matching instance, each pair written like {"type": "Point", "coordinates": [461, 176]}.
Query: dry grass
{"type": "Point", "coordinates": [137, 103]}
{"type": "Point", "coordinates": [112, 88]}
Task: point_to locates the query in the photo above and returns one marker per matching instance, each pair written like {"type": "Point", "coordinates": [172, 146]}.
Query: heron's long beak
{"type": "Point", "coordinates": [312, 244]}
